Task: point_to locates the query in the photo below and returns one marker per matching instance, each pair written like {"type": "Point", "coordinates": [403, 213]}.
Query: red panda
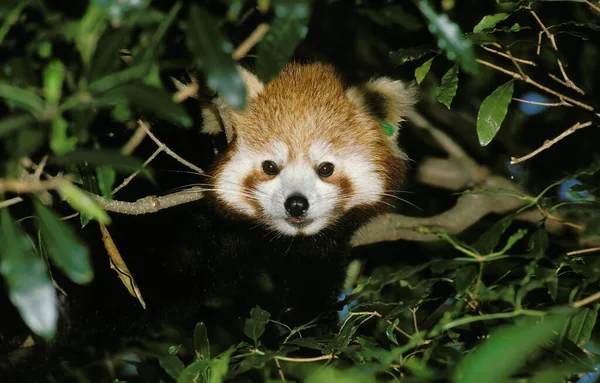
{"type": "Point", "coordinates": [308, 162]}
{"type": "Point", "coordinates": [306, 151]}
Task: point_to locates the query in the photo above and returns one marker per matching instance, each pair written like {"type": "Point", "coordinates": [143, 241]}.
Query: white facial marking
{"type": "Point", "coordinates": [299, 177]}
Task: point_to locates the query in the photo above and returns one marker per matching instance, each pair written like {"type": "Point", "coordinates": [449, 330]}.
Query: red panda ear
{"type": "Point", "coordinates": [216, 115]}
{"type": "Point", "coordinates": [385, 99]}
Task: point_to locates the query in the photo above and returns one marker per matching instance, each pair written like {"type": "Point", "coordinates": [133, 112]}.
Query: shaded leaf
{"type": "Point", "coordinates": [90, 28]}
{"type": "Point", "coordinates": [82, 202]}
{"type": "Point", "coordinates": [29, 286]}
{"type": "Point", "coordinates": [507, 349]}
{"type": "Point", "coordinates": [161, 31]}
{"type": "Point", "coordinates": [465, 276]}
{"type": "Point", "coordinates": [581, 325]}
{"type": "Point", "coordinates": [449, 37]}
{"type": "Point", "coordinates": [493, 111]}
{"type": "Point", "coordinates": [64, 248]}
{"type": "Point", "coordinates": [490, 21]}
{"type": "Point", "coordinates": [392, 15]}
{"type": "Point", "coordinates": [201, 344]}
{"type": "Point", "coordinates": [171, 364]}
{"type": "Point", "coordinates": [423, 69]}
{"type": "Point", "coordinates": [254, 326]}
{"type": "Point", "coordinates": [401, 56]}
{"type": "Point", "coordinates": [487, 241]}
{"type": "Point", "coordinates": [285, 33]}
{"type": "Point", "coordinates": [15, 121]}
{"type": "Point", "coordinates": [24, 99]}
{"type": "Point", "coordinates": [213, 54]}
{"type": "Point", "coordinates": [447, 90]}
{"type": "Point", "coordinates": [107, 57]}
{"type": "Point", "coordinates": [106, 179]}
{"type": "Point", "coordinates": [113, 158]}
{"type": "Point", "coordinates": [151, 99]}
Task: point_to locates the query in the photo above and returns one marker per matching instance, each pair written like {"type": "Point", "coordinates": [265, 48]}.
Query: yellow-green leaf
{"type": "Point", "coordinates": [492, 112]}
{"type": "Point", "coordinates": [81, 202]}
{"type": "Point", "coordinates": [54, 76]}
{"type": "Point", "coordinates": [60, 143]}
{"type": "Point", "coordinates": [489, 21]}
{"type": "Point", "coordinates": [423, 69]}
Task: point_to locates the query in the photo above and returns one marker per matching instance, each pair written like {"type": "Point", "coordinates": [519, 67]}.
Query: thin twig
{"type": "Point", "coordinates": [516, 64]}
{"type": "Point", "coordinates": [549, 143]}
{"type": "Point", "coordinates": [10, 202]}
{"type": "Point", "coordinates": [550, 36]}
{"type": "Point", "coordinates": [593, 6]}
{"type": "Point", "coordinates": [186, 91]}
{"type": "Point", "coordinates": [561, 103]}
{"type": "Point", "coordinates": [164, 147]}
{"type": "Point", "coordinates": [499, 53]}
{"type": "Point", "coordinates": [132, 176]}
{"type": "Point", "coordinates": [306, 360]}
{"type": "Point", "coordinates": [584, 251]}
{"type": "Point", "coordinates": [134, 141]}
{"type": "Point", "coordinates": [280, 370]}
{"type": "Point", "coordinates": [40, 168]}
{"type": "Point", "coordinates": [536, 84]}
{"type": "Point", "coordinates": [245, 47]}
{"type": "Point", "coordinates": [150, 204]}
{"type": "Point", "coordinates": [585, 301]}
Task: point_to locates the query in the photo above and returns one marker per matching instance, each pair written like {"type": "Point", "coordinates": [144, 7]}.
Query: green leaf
{"type": "Point", "coordinates": [465, 276]}
{"type": "Point", "coordinates": [254, 326]}
{"type": "Point", "coordinates": [64, 248]}
{"type": "Point", "coordinates": [192, 371]}
{"type": "Point", "coordinates": [29, 286]}
{"type": "Point", "coordinates": [447, 90]}
{"type": "Point", "coordinates": [213, 54]}
{"type": "Point", "coordinates": [113, 80]}
{"type": "Point", "coordinates": [54, 76]}
{"type": "Point", "coordinates": [287, 30]}
{"type": "Point", "coordinates": [23, 99]}
{"type": "Point", "coordinates": [450, 38]}
{"type": "Point", "coordinates": [487, 241]}
{"type": "Point", "coordinates": [60, 143]}
{"type": "Point", "coordinates": [13, 122]}
{"type": "Point", "coordinates": [581, 325]}
{"type": "Point", "coordinates": [507, 349]}
{"type": "Point", "coordinates": [201, 344]}
{"type": "Point", "coordinates": [492, 112]}
{"type": "Point", "coordinates": [91, 27]}
{"type": "Point", "coordinates": [220, 366]}
{"type": "Point", "coordinates": [25, 141]}
{"type": "Point", "coordinates": [390, 333]}
{"type": "Point", "coordinates": [82, 202]}
{"type": "Point", "coordinates": [171, 364]}
{"type": "Point", "coordinates": [106, 179]}
{"type": "Point", "coordinates": [490, 21]}
{"type": "Point", "coordinates": [151, 99]}
{"type": "Point", "coordinates": [112, 158]}
{"type": "Point", "coordinates": [423, 69]}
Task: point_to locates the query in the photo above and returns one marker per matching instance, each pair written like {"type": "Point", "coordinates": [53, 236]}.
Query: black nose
{"type": "Point", "coordinates": [296, 205]}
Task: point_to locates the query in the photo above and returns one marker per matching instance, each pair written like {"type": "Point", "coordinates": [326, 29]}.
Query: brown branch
{"type": "Point", "coordinates": [528, 80]}
{"type": "Point", "coordinates": [549, 143]}
{"type": "Point", "coordinates": [31, 186]}
{"type": "Point", "coordinates": [166, 149]}
{"type": "Point", "coordinates": [585, 301]}
{"type": "Point", "coordinates": [247, 45]}
{"type": "Point", "coordinates": [185, 91]}
{"type": "Point", "coordinates": [150, 204]}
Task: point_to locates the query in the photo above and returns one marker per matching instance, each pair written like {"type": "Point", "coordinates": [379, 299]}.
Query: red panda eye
{"type": "Point", "coordinates": [270, 168]}
{"type": "Point", "coordinates": [325, 169]}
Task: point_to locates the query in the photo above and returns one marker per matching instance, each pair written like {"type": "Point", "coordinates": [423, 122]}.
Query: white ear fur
{"type": "Point", "coordinates": [394, 99]}
{"type": "Point", "coordinates": [216, 115]}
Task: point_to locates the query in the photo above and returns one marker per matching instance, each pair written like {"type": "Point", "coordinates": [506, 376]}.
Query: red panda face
{"type": "Point", "coordinates": [305, 153]}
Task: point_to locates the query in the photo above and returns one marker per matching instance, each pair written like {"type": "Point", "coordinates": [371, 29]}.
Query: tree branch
{"type": "Point", "coordinates": [150, 204]}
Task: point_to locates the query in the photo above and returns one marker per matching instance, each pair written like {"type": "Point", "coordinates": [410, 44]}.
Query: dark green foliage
{"type": "Point", "coordinates": [504, 300]}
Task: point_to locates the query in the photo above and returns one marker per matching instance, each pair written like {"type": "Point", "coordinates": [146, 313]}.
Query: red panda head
{"type": "Point", "coordinates": [305, 151]}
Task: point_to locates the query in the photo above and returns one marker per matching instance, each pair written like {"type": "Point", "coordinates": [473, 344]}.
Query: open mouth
{"type": "Point", "coordinates": [298, 222]}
